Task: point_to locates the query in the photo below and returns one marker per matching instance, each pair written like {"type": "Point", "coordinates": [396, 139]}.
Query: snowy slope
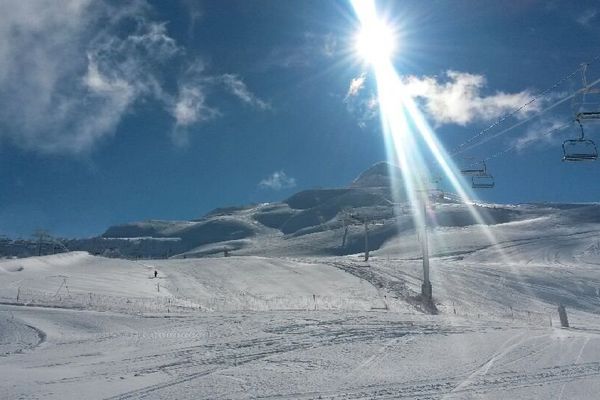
{"type": "Point", "coordinates": [300, 323]}
{"type": "Point", "coordinates": [298, 356]}
{"type": "Point", "coordinates": [82, 272]}
{"type": "Point", "coordinates": [80, 280]}
{"type": "Point", "coordinates": [312, 222]}
{"type": "Point", "coordinates": [256, 283]}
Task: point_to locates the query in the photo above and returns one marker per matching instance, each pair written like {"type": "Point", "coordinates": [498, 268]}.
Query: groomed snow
{"type": "Point", "coordinates": [78, 326]}
{"type": "Point", "coordinates": [259, 284]}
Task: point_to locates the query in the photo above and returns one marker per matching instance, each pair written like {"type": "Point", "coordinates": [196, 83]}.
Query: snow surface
{"type": "Point", "coordinates": [316, 326]}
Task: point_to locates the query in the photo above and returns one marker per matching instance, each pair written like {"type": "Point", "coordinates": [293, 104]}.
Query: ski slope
{"type": "Point", "coordinates": [79, 280]}
{"type": "Point", "coordinates": [308, 327]}
{"type": "Point", "coordinates": [261, 284]}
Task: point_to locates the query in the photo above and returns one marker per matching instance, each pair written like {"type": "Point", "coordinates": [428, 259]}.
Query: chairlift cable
{"type": "Point", "coordinates": [505, 151]}
{"type": "Point", "coordinates": [514, 146]}
{"type": "Point", "coordinates": [488, 138]}
{"type": "Point", "coordinates": [459, 149]}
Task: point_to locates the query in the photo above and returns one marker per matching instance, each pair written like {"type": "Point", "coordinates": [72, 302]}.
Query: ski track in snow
{"type": "Point", "coordinates": [74, 326]}
{"type": "Point", "coordinates": [185, 365]}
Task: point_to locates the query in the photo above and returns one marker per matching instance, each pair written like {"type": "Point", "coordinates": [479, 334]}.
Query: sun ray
{"type": "Point", "coordinates": [404, 127]}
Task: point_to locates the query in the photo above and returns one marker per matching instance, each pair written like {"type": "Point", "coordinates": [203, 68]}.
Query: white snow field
{"type": "Point", "coordinates": [77, 326]}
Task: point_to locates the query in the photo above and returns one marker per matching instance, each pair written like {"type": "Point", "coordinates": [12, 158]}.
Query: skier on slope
{"type": "Point", "coordinates": [155, 273]}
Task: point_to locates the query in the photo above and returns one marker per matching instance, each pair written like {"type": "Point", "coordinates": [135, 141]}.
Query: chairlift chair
{"type": "Point", "coordinates": [588, 115]}
{"type": "Point", "coordinates": [580, 149]}
{"type": "Point", "coordinates": [483, 181]}
{"type": "Point", "coordinates": [473, 168]}
{"type": "Point", "coordinates": [587, 109]}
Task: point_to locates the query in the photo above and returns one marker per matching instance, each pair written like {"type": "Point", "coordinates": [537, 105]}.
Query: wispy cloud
{"type": "Point", "coordinates": [456, 98]}
{"type": "Point", "coordinates": [361, 103]}
{"type": "Point", "coordinates": [542, 133]}
{"type": "Point", "coordinates": [356, 85]}
{"type": "Point", "coordinates": [238, 88]}
{"type": "Point", "coordinates": [190, 106]}
{"type": "Point", "coordinates": [329, 46]}
{"type": "Point", "coordinates": [42, 46]}
{"type": "Point", "coordinates": [194, 12]}
{"type": "Point", "coordinates": [587, 16]}
{"type": "Point", "coordinates": [71, 70]}
{"type": "Point", "coordinates": [277, 181]}
{"type": "Point", "coordinates": [364, 109]}
{"type": "Point", "coordinates": [190, 109]}
{"type": "Point", "coordinates": [313, 47]}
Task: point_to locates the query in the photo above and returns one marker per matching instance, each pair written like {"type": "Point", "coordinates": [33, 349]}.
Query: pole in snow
{"type": "Point", "coordinates": [426, 289]}
{"type": "Point", "coordinates": [562, 314]}
{"type": "Point", "coordinates": [366, 240]}
{"type": "Point", "coordinates": [365, 221]}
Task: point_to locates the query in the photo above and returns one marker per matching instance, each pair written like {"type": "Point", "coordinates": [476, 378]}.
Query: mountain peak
{"type": "Point", "coordinates": [378, 175]}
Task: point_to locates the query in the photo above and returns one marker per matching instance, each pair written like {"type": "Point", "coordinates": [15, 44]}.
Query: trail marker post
{"type": "Point", "coordinates": [562, 314]}
{"type": "Point", "coordinates": [426, 289]}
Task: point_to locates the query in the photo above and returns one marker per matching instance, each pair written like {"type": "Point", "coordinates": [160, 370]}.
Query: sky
{"type": "Point", "coordinates": [112, 112]}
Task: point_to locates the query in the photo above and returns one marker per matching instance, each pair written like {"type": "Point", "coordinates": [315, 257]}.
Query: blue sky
{"type": "Point", "coordinates": [114, 112]}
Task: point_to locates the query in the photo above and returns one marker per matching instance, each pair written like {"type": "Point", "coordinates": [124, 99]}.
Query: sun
{"type": "Point", "coordinates": [376, 42]}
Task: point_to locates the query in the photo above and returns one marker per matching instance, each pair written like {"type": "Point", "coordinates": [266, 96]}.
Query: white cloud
{"type": "Point", "coordinates": [361, 103]}
{"type": "Point", "coordinates": [67, 79]}
{"type": "Point", "coordinates": [155, 40]}
{"type": "Point", "coordinates": [194, 12]}
{"type": "Point", "coordinates": [238, 88]}
{"type": "Point", "coordinates": [543, 133]}
{"type": "Point", "coordinates": [456, 98]}
{"type": "Point", "coordinates": [190, 108]}
{"type": "Point", "coordinates": [329, 45]}
{"type": "Point", "coordinates": [587, 16]}
{"type": "Point", "coordinates": [312, 49]}
{"type": "Point", "coordinates": [71, 70]}
{"type": "Point", "coordinates": [100, 84]}
{"type": "Point", "coordinates": [356, 85]}
{"type": "Point", "coordinates": [277, 180]}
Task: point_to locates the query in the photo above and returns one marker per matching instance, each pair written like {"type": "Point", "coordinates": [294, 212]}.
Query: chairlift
{"type": "Point", "coordinates": [588, 115]}
{"type": "Point", "coordinates": [483, 181]}
{"type": "Point", "coordinates": [580, 149]}
{"type": "Point", "coordinates": [586, 109]}
{"type": "Point", "coordinates": [438, 192]}
{"type": "Point", "coordinates": [473, 167]}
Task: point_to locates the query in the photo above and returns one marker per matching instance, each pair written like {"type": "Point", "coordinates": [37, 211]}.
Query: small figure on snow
{"type": "Point", "coordinates": [155, 273]}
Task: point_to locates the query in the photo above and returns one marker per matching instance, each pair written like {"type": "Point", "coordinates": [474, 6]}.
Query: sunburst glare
{"type": "Point", "coordinates": [376, 42]}
{"type": "Point", "coordinates": [404, 128]}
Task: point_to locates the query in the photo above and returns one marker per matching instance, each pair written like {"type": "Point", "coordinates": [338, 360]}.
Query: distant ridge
{"type": "Point", "coordinates": [312, 221]}
{"type": "Point", "coordinates": [379, 175]}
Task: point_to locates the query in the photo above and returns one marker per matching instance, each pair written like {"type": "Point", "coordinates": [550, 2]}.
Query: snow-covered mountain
{"type": "Point", "coordinates": [313, 222]}
{"type": "Point", "coordinates": [295, 312]}
{"type": "Point", "coordinates": [313, 326]}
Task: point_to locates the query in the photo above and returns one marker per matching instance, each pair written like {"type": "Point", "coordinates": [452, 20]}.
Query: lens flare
{"type": "Point", "coordinates": [376, 42]}
{"type": "Point", "coordinates": [408, 136]}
